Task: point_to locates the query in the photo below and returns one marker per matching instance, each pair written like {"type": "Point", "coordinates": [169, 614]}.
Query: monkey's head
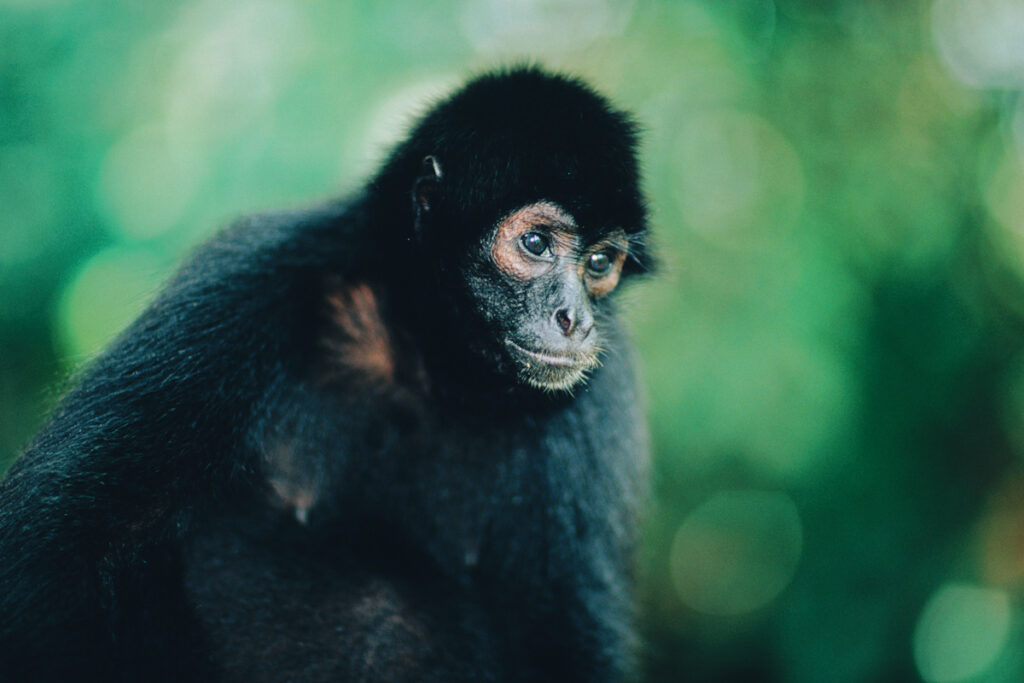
{"type": "Point", "coordinates": [527, 211]}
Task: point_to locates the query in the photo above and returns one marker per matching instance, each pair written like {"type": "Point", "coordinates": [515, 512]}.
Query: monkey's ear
{"type": "Point", "coordinates": [427, 185]}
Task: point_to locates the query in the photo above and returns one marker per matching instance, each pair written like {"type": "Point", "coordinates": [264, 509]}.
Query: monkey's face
{"type": "Point", "coordinates": [537, 284]}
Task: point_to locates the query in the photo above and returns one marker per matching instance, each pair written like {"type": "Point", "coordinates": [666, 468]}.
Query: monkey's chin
{"type": "Point", "coordinates": [550, 371]}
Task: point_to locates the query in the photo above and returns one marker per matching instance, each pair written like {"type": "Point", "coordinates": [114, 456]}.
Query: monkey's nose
{"type": "Point", "coordinates": [564, 319]}
{"type": "Point", "coordinates": [570, 322]}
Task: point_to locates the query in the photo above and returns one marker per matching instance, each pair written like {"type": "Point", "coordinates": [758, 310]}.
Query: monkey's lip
{"type": "Point", "coordinates": [556, 359]}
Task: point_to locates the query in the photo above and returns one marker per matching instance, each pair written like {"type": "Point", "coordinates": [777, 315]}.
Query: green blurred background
{"type": "Point", "coordinates": [834, 351]}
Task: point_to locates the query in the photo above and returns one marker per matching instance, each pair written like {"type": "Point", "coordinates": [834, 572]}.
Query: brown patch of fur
{"type": "Point", "coordinates": [557, 224]}
{"type": "Point", "coordinates": [357, 340]}
{"type": "Point", "coordinates": [293, 487]}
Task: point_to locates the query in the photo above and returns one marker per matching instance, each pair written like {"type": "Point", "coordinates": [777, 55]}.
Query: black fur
{"type": "Point", "coordinates": [228, 494]}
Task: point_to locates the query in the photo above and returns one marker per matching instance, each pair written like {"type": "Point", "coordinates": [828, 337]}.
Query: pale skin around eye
{"type": "Point", "coordinates": [526, 236]}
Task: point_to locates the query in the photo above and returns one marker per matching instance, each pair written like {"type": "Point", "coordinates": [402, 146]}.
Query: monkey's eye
{"type": "Point", "coordinates": [599, 264]}
{"type": "Point", "coordinates": [535, 243]}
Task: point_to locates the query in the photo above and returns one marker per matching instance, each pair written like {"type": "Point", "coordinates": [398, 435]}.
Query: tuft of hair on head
{"type": "Point", "coordinates": [517, 135]}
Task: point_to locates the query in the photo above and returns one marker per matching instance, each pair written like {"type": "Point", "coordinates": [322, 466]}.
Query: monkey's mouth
{"type": "Point", "coordinates": [549, 370]}
{"type": "Point", "coordinates": [544, 357]}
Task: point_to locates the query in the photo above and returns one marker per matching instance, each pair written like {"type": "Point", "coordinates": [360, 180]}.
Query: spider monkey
{"type": "Point", "coordinates": [393, 438]}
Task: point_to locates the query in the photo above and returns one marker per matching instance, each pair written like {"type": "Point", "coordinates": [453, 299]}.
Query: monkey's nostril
{"type": "Point", "coordinates": [564, 320]}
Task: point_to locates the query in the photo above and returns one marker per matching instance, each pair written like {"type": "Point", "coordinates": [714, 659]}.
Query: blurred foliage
{"type": "Point", "coordinates": [834, 352]}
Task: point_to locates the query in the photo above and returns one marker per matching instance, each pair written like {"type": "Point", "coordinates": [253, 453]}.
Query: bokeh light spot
{"type": "Point", "coordinates": [233, 59]}
{"type": "Point", "coordinates": [981, 41]}
{"type": "Point", "coordinates": [1004, 197]}
{"type": "Point", "coordinates": [737, 551]}
{"type": "Point", "coordinates": [740, 177]}
{"type": "Point", "coordinates": [107, 292]}
{"type": "Point", "coordinates": [960, 632]}
{"type": "Point", "coordinates": [146, 182]}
